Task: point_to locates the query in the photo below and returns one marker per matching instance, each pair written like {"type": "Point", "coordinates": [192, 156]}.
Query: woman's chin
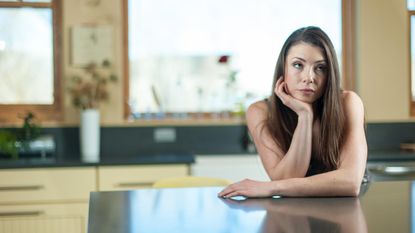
{"type": "Point", "coordinates": [305, 99]}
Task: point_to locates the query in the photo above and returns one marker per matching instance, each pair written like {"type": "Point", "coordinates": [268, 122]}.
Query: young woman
{"type": "Point", "coordinates": [309, 133]}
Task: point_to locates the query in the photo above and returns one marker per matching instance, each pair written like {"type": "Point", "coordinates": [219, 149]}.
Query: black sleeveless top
{"type": "Point", "coordinates": [316, 167]}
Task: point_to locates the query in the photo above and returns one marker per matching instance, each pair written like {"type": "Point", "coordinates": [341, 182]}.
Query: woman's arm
{"type": "Point", "coordinates": [296, 161]}
{"type": "Point", "coordinates": [277, 164]}
{"type": "Point", "coordinates": [345, 181]}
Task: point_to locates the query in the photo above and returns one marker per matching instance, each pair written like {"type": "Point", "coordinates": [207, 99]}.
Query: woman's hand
{"type": "Point", "coordinates": [296, 105]}
{"type": "Point", "coordinates": [247, 188]}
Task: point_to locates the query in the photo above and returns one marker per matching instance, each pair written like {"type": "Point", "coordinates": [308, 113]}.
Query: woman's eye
{"type": "Point", "coordinates": [297, 65]}
{"type": "Point", "coordinates": [321, 68]}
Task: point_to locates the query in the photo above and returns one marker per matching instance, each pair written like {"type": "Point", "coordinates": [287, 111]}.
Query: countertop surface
{"type": "Point", "coordinates": [182, 158]}
{"type": "Point", "coordinates": [392, 155]}
{"type": "Point", "coordinates": [381, 207]}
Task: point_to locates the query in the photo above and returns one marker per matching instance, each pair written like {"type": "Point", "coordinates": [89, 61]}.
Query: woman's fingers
{"type": "Point", "coordinates": [283, 94]}
{"type": "Point", "coordinates": [277, 85]}
{"type": "Point", "coordinates": [241, 188]}
{"type": "Point", "coordinates": [284, 97]}
{"type": "Point", "coordinates": [231, 190]}
{"type": "Point", "coordinates": [247, 188]}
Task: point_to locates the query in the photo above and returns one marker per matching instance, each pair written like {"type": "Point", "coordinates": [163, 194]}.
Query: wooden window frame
{"type": "Point", "coordinates": [11, 113]}
{"type": "Point", "coordinates": [348, 50]}
{"type": "Point", "coordinates": [411, 102]}
{"type": "Point", "coordinates": [349, 45]}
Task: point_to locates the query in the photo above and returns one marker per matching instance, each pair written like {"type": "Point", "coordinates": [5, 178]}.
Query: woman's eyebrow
{"type": "Point", "coordinates": [304, 60]}
{"type": "Point", "coordinates": [299, 58]}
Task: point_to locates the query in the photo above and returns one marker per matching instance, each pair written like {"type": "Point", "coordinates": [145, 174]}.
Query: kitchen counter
{"type": "Point", "coordinates": [64, 162]}
{"type": "Point", "coordinates": [374, 156]}
{"type": "Point", "coordinates": [390, 155]}
{"type": "Point", "coordinates": [381, 207]}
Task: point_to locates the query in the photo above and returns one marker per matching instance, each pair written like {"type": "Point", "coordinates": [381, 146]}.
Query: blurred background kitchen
{"type": "Point", "coordinates": [169, 83]}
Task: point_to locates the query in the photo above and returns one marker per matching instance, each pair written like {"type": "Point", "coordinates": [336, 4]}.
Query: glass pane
{"type": "Point", "coordinates": [214, 55]}
{"type": "Point", "coordinates": [413, 56]}
{"type": "Point", "coordinates": [26, 55]}
{"type": "Point", "coordinates": [411, 5]}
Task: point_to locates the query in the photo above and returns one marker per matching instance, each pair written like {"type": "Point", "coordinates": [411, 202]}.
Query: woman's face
{"type": "Point", "coordinates": [305, 72]}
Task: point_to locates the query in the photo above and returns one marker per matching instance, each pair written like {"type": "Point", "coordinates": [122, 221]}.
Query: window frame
{"type": "Point", "coordinates": [348, 71]}
{"type": "Point", "coordinates": [12, 113]}
{"type": "Point", "coordinates": [411, 101]}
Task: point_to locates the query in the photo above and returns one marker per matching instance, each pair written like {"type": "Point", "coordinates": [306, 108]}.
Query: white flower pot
{"type": "Point", "coordinates": [90, 135]}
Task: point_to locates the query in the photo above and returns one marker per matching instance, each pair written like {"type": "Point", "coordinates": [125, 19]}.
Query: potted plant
{"type": "Point", "coordinates": [13, 142]}
{"type": "Point", "coordinates": [88, 90]}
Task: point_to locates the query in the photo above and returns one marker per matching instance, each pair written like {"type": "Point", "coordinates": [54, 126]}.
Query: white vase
{"type": "Point", "coordinates": [90, 135]}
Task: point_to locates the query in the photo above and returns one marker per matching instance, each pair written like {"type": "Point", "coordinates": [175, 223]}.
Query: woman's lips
{"type": "Point", "coordinates": [307, 91]}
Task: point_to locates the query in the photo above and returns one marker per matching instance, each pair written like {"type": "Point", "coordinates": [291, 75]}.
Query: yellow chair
{"type": "Point", "coordinates": [190, 181]}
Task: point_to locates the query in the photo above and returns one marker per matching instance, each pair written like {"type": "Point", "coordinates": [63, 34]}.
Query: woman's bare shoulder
{"type": "Point", "coordinates": [257, 112]}
{"type": "Point", "coordinates": [351, 98]}
{"type": "Point", "coordinates": [259, 107]}
{"type": "Point", "coordinates": [352, 103]}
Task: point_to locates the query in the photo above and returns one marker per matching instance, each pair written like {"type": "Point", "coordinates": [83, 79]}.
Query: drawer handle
{"type": "Point", "coordinates": [21, 213]}
{"type": "Point", "coordinates": [134, 184]}
{"type": "Point", "coordinates": [21, 188]}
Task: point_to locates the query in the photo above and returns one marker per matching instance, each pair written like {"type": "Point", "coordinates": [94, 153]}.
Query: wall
{"type": "Point", "coordinates": [94, 12]}
{"type": "Point", "coordinates": [383, 59]}
{"type": "Point", "coordinates": [382, 56]}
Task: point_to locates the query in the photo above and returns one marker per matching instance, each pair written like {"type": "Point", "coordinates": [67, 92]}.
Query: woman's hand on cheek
{"type": "Point", "coordinates": [296, 105]}
{"type": "Point", "coordinates": [247, 188]}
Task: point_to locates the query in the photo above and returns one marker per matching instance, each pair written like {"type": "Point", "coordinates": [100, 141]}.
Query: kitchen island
{"type": "Point", "coordinates": [381, 207]}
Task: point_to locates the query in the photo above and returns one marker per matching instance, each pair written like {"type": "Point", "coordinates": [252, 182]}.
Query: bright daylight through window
{"type": "Point", "coordinates": [213, 56]}
{"type": "Point", "coordinates": [26, 55]}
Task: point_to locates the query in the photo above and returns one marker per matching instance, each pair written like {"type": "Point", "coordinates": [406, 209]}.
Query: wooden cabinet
{"type": "Point", "coordinates": [231, 167]}
{"type": "Point", "coordinates": [45, 200]}
{"type": "Point", "coordinates": [44, 218]}
{"type": "Point", "coordinates": [51, 200]}
{"type": "Point", "coordinates": [136, 176]}
{"type": "Point", "coordinates": [46, 184]}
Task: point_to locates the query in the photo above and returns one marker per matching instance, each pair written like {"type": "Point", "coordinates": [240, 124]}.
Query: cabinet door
{"type": "Point", "coordinates": [140, 176]}
{"type": "Point", "coordinates": [46, 184]}
{"type": "Point", "coordinates": [231, 167]}
{"type": "Point", "coordinates": [48, 218]}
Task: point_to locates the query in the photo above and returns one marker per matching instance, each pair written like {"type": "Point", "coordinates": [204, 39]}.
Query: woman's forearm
{"type": "Point", "coordinates": [335, 183]}
{"type": "Point", "coordinates": [296, 161]}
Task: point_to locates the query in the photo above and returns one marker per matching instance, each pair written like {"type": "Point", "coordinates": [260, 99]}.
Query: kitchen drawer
{"type": "Point", "coordinates": [47, 218]}
{"type": "Point", "coordinates": [133, 177]}
{"type": "Point", "coordinates": [46, 184]}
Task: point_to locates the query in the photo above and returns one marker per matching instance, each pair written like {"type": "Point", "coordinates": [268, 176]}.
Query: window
{"type": "Point", "coordinates": [211, 57]}
{"type": "Point", "coordinates": [29, 73]}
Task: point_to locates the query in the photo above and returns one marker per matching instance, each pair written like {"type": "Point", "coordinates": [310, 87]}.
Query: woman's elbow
{"type": "Point", "coordinates": [352, 188]}
{"type": "Point", "coordinates": [354, 191]}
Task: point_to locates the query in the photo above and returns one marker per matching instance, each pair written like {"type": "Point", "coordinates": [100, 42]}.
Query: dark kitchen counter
{"type": "Point", "coordinates": [381, 207]}
{"type": "Point", "coordinates": [70, 162]}
{"type": "Point", "coordinates": [390, 155]}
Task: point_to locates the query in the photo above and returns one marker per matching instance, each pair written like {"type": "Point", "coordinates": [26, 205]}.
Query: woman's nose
{"type": "Point", "coordinates": [309, 76]}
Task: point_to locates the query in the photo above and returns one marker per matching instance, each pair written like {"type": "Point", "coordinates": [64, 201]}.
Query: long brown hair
{"type": "Point", "coordinates": [281, 120]}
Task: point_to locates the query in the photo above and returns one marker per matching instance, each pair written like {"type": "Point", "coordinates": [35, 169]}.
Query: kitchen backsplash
{"type": "Point", "coordinates": [141, 141]}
